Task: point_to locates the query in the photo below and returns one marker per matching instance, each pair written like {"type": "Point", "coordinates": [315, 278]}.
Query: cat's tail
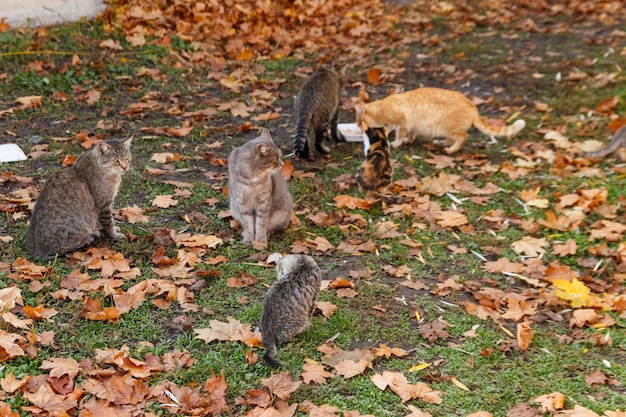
{"type": "Point", "coordinates": [271, 347]}
{"type": "Point", "coordinates": [617, 141]}
{"type": "Point", "coordinates": [301, 140]}
{"type": "Point", "coordinates": [491, 130]}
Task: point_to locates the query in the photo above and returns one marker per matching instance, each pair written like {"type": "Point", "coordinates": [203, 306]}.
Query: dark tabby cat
{"type": "Point", "coordinates": [74, 208]}
{"type": "Point", "coordinates": [375, 173]}
{"type": "Point", "coordinates": [289, 302]}
{"type": "Point", "coordinates": [316, 108]}
{"type": "Point", "coordinates": [617, 145]}
{"type": "Point", "coordinates": [259, 195]}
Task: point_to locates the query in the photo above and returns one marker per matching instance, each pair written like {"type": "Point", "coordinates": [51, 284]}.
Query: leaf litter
{"type": "Point", "coordinates": [258, 31]}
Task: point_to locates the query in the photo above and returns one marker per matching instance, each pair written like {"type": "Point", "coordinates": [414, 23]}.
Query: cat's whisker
{"type": "Point", "coordinates": [289, 155]}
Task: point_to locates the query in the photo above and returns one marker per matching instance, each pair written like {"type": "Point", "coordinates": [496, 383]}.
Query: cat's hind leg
{"type": "Point", "coordinates": [334, 133]}
{"type": "Point", "coordinates": [453, 142]}
{"type": "Point", "coordinates": [271, 346]}
{"type": "Point", "coordinates": [321, 136]}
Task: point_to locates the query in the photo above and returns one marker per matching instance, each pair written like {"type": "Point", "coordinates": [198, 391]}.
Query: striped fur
{"type": "Point", "coordinates": [289, 303]}
{"type": "Point", "coordinates": [316, 109]}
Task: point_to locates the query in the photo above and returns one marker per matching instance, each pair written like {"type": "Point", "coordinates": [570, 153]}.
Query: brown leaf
{"type": "Point", "coordinates": [503, 265]}
{"type": "Point", "coordinates": [314, 372]}
{"type": "Point", "coordinates": [326, 308]}
{"type": "Point", "coordinates": [351, 202]}
{"type": "Point", "coordinates": [524, 335]}
{"type": "Point", "coordinates": [281, 384]}
{"type": "Point", "coordinates": [550, 403]}
{"type": "Point", "coordinates": [434, 330]}
{"type": "Point", "coordinates": [233, 331]}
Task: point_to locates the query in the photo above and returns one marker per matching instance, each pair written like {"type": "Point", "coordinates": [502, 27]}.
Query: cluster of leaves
{"type": "Point", "coordinates": [517, 239]}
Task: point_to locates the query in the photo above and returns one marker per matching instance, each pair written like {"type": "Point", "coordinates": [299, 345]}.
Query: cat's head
{"type": "Point", "coordinates": [287, 263]}
{"type": "Point", "coordinates": [265, 152]}
{"type": "Point", "coordinates": [363, 118]}
{"type": "Point", "coordinates": [114, 155]}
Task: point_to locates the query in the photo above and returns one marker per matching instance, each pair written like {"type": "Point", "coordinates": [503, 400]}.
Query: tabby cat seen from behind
{"type": "Point", "coordinates": [258, 192]}
{"type": "Point", "coordinates": [375, 173]}
{"type": "Point", "coordinates": [74, 208]}
{"type": "Point", "coordinates": [316, 109]}
{"type": "Point", "coordinates": [430, 112]}
{"type": "Point", "coordinates": [289, 303]}
{"type": "Point", "coordinates": [617, 145]}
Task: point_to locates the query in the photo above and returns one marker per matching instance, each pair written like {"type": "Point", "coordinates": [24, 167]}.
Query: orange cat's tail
{"type": "Point", "coordinates": [491, 130]}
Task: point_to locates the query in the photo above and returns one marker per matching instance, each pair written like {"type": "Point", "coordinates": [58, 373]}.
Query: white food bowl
{"type": "Point", "coordinates": [351, 132]}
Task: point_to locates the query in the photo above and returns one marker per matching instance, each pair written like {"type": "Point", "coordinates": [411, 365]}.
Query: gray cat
{"type": "Point", "coordinates": [258, 192]}
{"type": "Point", "coordinates": [289, 302]}
{"type": "Point", "coordinates": [316, 108]}
{"type": "Point", "coordinates": [74, 208]}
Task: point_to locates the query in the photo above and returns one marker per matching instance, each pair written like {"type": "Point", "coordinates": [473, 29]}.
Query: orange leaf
{"type": "Point", "coordinates": [373, 76]}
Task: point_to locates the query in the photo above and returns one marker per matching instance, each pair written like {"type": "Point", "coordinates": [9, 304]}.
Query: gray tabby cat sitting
{"type": "Point", "coordinates": [289, 303]}
{"type": "Point", "coordinates": [74, 208]}
{"type": "Point", "coordinates": [258, 192]}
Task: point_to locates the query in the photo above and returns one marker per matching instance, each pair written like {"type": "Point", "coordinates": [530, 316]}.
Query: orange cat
{"type": "Point", "coordinates": [431, 112]}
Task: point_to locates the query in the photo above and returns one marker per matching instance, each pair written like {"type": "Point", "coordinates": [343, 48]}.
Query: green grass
{"type": "Point", "coordinates": [498, 376]}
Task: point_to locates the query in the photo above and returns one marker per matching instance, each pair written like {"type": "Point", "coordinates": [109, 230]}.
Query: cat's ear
{"type": "Point", "coordinates": [128, 141]}
{"type": "Point", "coordinates": [102, 148]}
{"type": "Point", "coordinates": [262, 149]}
{"type": "Point", "coordinates": [265, 134]}
{"type": "Point", "coordinates": [359, 109]}
{"type": "Point", "coordinates": [343, 70]}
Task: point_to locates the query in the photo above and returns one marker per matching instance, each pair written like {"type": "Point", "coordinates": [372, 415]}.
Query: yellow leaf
{"type": "Point", "coordinates": [459, 383]}
{"type": "Point", "coordinates": [575, 291]}
{"type": "Point", "coordinates": [419, 366]}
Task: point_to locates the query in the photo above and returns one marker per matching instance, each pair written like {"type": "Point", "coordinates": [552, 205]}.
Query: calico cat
{"type": "Point", "coordinates": [289, 303]}
{"type": "Point", "coordinates": [375, 173]}
{"type": "Point", "coordinates": [317, 108]}
{"type": "Point", "coordinates": [258, 192]}
{"type": "Point", "coordinates": [617, 145]}
{"type": "Point", "coordinates": [431, 112]}
{"type": "Point", "coordinates": [74, 208]}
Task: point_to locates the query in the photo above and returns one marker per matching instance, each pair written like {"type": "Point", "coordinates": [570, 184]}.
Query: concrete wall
{"type": "Point", "coordinates": [46, 12]}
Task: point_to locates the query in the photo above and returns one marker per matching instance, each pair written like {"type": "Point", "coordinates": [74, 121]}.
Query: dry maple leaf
{"type": "Point", "coordinates": [550, 403]}
{"type": "Point", "coordinates": [530, 246]}
{"type": "Point", "coordinates": [387, 352]}
{"type": "Point", "coordinates": [94, 311]}
{"type": "Point", "coordinates": [327, 309]}
{"type": "Point", "coordinates": [314, 372]}
{"type": "Point", "coordinates": [351, 202]}
{"type": "Point", "coordinates": [398, 383]}
{"type": "Point", "coordinates": [574, 291]}
{"type": "Point", "coordinates": [451, 218]}
{"type": "Point", "coordinates": [9, 347]}
{"type": "Point", "coordinates": [349, 368]}
{"type": "Point", "coordinates": [134, 214]}
{"type": "Point", "coordinates": [568, 248]}
{"type": "Point", "coordinates": [320, 243]}
{"type": "Point", "coordinates": [40, 312]}
{"type": "Point", "coordinates": [10, 297]}
{"type": "Point", "coordinates": [164, 201]}
{"type": "Point", "coordinates": [61, 366]}
{"type": "Point", "coordinates": [233, 331]}
{"type": "Point", "coordinates": [434, 330]}
{"type": "Point", "coordinates": [281, 384]}
{"type": "Point", "coordinates": [11, 384]}
{"type": "Point", "coordinates": [503, 265]}
{"type": "Point", "coordinates": [524, 335]}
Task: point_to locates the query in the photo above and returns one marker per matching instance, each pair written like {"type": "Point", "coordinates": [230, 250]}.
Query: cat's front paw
{"type": "Point", "coordinates": [259, 244]}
